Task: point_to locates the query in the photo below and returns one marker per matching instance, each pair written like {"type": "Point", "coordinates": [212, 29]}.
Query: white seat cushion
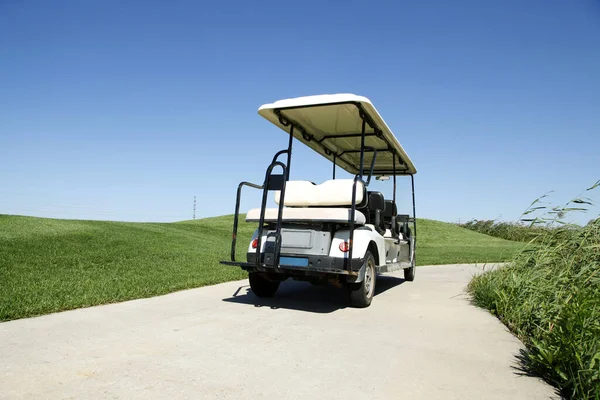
{"type": "Point", "coordinates": [338, 215]}
{"type": "Point", "coordinates": [388, 235]}
{"type": "Point", "coordinates": [335, 192]}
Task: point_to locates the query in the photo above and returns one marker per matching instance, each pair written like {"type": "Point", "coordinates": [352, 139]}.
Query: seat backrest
{"type": "Point", "coordinates": [402, 222]}
{"type": "Point", "coordinates": [376, 202]}
{"type": "Point", "coordinates": [376, 205]}
{"type": "Point", "coordinates": [388, 217]}
{"type": "Point", "coordinates": [331, 193]}
{"type": "Point", "coordinates": [390, 209]}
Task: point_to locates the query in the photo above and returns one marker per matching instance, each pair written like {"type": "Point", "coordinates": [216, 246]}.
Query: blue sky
{"type": "Point", "coordinates": [126, 110]}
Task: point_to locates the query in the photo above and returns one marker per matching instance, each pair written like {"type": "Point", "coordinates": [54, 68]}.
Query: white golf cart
{"type": "Point", "coordinates": [337, 231]}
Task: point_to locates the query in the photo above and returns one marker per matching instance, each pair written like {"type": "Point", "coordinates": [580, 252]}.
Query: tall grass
{"type": "Point", "coordinates": [549, 296]}
{"type": "Point", "coordinates": [516, 231]}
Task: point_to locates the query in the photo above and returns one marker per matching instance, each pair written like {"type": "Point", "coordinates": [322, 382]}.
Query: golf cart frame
{"type": "Point", "coordinates": [388, 230]}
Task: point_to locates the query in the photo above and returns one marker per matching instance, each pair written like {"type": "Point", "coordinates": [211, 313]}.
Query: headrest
{"type": "Point", "coordinates": [390, 208]}
{"type": "Point", "coordinates": [376, 201]}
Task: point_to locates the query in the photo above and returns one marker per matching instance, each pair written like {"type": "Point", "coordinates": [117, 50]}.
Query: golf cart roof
{"type": "Point", "coordinates": [332, 126]}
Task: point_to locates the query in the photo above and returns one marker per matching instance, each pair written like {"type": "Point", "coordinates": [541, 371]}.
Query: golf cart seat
{"type": "Point", "coordinates": [331, 193]}
{"type": "Point", "coordinates": [389, 219]}
{"type": "Point", "coordinates": [305, 201]}
{"type": "Point", "coordinates": [321, 214]}
{"type": "Point", "coordinates": [375, 208]}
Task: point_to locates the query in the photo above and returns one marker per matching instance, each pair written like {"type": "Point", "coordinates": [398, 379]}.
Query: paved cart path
{"type": "Point", "coordinates": [418, 340]}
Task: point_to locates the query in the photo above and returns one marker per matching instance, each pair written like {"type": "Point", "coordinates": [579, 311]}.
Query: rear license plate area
{"type": "Point", "coordinates": [294, 261]}
{"type": "Point", "coordinates": [296, 239]}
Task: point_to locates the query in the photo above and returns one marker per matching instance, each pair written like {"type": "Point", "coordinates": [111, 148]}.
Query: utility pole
{"type": "Point", "coordinates": [194, 216]}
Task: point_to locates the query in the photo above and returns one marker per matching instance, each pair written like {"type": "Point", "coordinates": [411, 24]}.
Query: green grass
{"type": "Point", "coordinates": [49, 265]}
{"type": "Point", "coordinates": [444, 243]}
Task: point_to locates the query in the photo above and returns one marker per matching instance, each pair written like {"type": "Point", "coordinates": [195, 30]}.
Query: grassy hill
{"type": "Point", "coordinates": [49, 265]}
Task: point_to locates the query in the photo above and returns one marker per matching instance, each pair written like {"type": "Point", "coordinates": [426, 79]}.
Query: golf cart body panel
{"type": "Point", "coordinates": [337, 231]}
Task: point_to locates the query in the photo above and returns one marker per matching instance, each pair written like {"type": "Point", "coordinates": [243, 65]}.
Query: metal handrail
{"type": "Point", "coordinates": [261, 220]}
{"type": "Point", "coordinates": [237, 214]}
{"type": "Point", "coordinates": [280, 152]}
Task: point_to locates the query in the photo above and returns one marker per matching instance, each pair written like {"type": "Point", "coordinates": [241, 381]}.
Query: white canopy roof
{"type": "Point", "coordinates": [332, 126]}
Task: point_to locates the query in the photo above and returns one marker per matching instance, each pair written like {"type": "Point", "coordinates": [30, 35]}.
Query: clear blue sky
{"type": "Point", "coordinates": [125, 110]}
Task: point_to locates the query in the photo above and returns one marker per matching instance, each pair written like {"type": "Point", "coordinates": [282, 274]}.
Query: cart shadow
{"type": "Point", "coordinates": [387, 282]}
{"type": "Point", "coordinates": [302, 296]}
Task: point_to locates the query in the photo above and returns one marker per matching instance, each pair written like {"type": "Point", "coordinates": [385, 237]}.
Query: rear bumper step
{"type": "Point", "coordinates": [316, 264]}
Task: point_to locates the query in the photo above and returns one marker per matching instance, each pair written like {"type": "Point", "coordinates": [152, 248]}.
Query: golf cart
{"type": "Point", "coordinates": [338, 231]}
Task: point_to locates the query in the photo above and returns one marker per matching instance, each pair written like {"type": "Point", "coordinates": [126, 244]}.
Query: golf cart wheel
{"type": "Point", "coordinates": [409, 273]}
{"type": "Point", "coordinates": [261, 285]}
{"type": "Point", "coordinates": [361, 294]}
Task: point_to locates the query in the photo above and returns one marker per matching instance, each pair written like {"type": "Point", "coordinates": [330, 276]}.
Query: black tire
{"type": "Point", "coordinates": [409, 273]}
{"type": "Point", "coordinates": [361, 294]}
{"type": "Point", "coordinates": [261, 285]}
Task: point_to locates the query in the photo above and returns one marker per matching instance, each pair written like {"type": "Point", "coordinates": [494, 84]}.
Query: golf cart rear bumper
{"type": "Point", "coordinates": [317, 264]}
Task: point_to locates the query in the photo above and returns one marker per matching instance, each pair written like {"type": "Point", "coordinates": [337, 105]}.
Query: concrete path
{"type": "Point", "coordinates": [418, 340]}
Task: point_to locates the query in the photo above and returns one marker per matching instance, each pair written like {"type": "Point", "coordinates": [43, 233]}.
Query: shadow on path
{"type": "Point", "coordinates": [303, 296]}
